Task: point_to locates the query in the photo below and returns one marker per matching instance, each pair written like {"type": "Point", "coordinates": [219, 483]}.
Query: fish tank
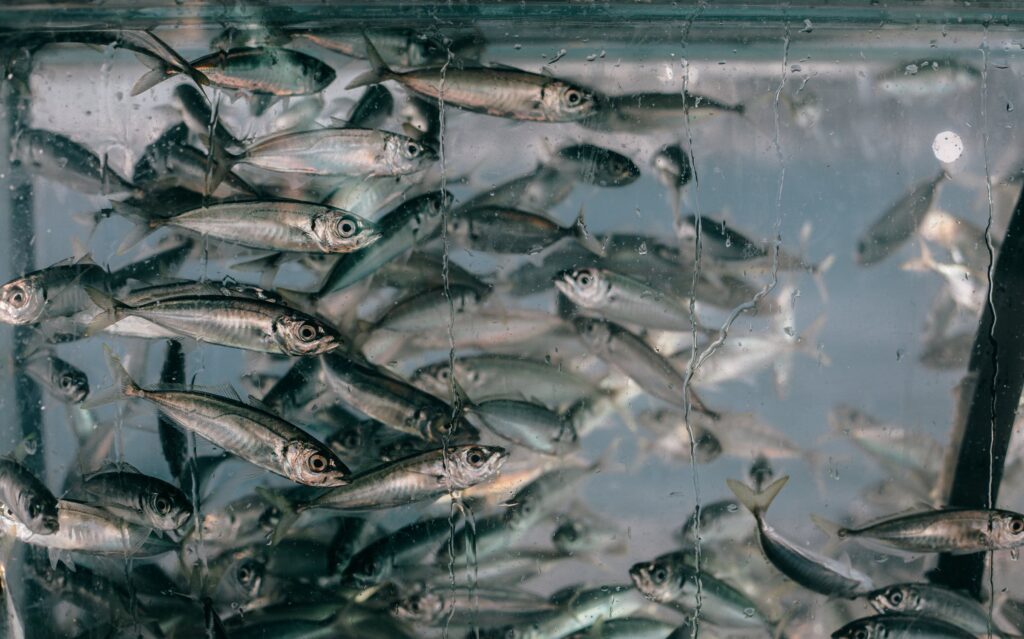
{"type": "Point", "coordinates": [585, 319]}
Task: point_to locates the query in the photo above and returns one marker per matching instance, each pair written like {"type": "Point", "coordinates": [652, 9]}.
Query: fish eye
{"type": "Point", "coordinates": [659, 575]}
{"type": "Point", "coordinates": [1017, 525]}
{"type": "Point", "coordinates": [163, 505]}
{"type": "Point", "coordinates": [573, 97]}
{"type": "Point", "coordinates": [475, 457]}
{"type": "Point", "coordinates": [244, 574]}
{"type": "Point", "coordinates": [18, 296]}
{"type": "Point", "coordinates": [307, 332]}
{"type": "Point", "coordinates": [860, 633]}
{"type": "Point", "coordinates": [412, 149]}
{"type": "Point", "coordinates": [347, 227]}
{"type": "Point", "coordinates": [443, 374]}
{"type": "Point", "coordinates": [895, 597]}
{"type": "Point", "coordinates": [317, 463]}
{"type": "Point", "coordinates": [584, 278]}
{"type": "Point", "coordinates": [67, 381]}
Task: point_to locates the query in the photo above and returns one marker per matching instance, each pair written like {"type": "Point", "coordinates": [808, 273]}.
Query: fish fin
{"type": "Point", "coordinates": [926, 262]}
{"type": "Point", "coordinates": [112, 311]}
{"type": "Point", "coordinates": [756, 502]}
{"type": "Point", "coordinates": [583, 236]}
{"type": "Point", "coordinates": [289, 512]}
{"type": "Point", "coordinates": [808, 340]}
{"type": "Point", "coordinates": [818, 275]}
{"type": "Point", "coordinates": [379, 70]}
{"type": "Point", "coordinates": [152, 78]}
{"type": "Point", "coordinates": [143, 228]}
{"type": "Point", "coordinates": [124, 385]}
{"type": "Point", "coordinates": [835, 532]}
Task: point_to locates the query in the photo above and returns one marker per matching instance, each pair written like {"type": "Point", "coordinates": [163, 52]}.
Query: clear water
{"type": "Point", "coordinates": [840, 122]}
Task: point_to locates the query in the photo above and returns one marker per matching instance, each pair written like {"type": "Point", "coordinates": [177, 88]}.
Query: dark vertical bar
{"type": "Point", "coordinates": [21, 247]}
{"type": "Point", "coordinates": [997, 370]}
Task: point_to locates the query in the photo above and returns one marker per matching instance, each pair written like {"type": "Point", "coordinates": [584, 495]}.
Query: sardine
{"type": "Point", "coordinates": [890, 231]}
{"type": "Point", "coordinates": [622, 299]}
{"type": "Point", "coordinates": [64, 380]}
{"type": "Point", "coordinates": [137, 498]}
{"type": "Point", "coordinates": [592, 164]}
{"type": "Point", "coordinates": [502, 230]}
{"type": "Point", "coordinates": [56, 157]}
{"type": "Point", "coordinates": [932, 601]}
{"type": "Point", "coordinates": [26, 499]}
{"type": "Point", "coordinates": [902, 626]}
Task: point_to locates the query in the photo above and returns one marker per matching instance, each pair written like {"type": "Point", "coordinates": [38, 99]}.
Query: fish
{"type": "Point", "coordinates": [496, 91]}
{"type": "Point", "coordinates": [588, 535]}
{"type": "Point", "coordinates": [898, 223]}
{"type": "Point", "coordinates": [336, 152]}
{"type": "Point", "coordinates": [198, 117]}
{"type": "Point", "coordinates": [815, 572]}
{"type": "Point", "coordinates": [374, 107]}
{"type": "Point", "coordinates": [378, 560]}
{"type": "Point", "coordinates": [670, 578]}
{"type": "Point", "coordinates": [402, 47]}
{"type": "Point", "coordinates": [27, 500]}
{"type": "Point", "coordinates": [392, 402]}
{"type": "Point", "coordinates": [597, 165]}
{"type": "Point", "coordinates": [537, 191]}
{"type": "Point", "coordinates": [430, 309]}
{"type": "Point", "coordinates": [898, 449]}
{"type": "Point", "coordinates": [525, 423]}
{"type": "Point", "coordinates": [672, 166]}
{"type": "Point", "coordinates": [54, 292]}
{"type": "Point", "coordinates": [967, 287]}
{"type": "Point", "coordinates": [173, 442]}
{"type": "Point", "coordinates": [464, 606]}
{"type": "Point", "coordinates": [933, 602]}
{"type": "Point", "coordinates": [419, 477]}
{"type": "Point", "coordinates": [586, 608]}
{"type": "Point", "coordinates": [257, 70]}
{"type": "Point", "coordinates": [491, 376]}
{"type": "Point", "coordinates": [57, 157]}
{"type": "Point", "coordinates": [236, 322]}
{"type": "Point", "coordinates": [672, 437]}
{"type": "Point", "coordinates": [62, 379]}
{"type": "Point", "coordinates": [299, 116]}
{"type": "Point", "coordinates": [904, 626]}
{"type": "Point", "coordinates": [137, 498]}
{"type": "Point", "coordinates": [82, 527]}
{"type": "Point", "coordinates": [631, 355]}
{"type": "Point", "coordinates": [626, 628]}
{"type": "Point", "coordinates": [503, 230]}
{"type": "Point", "coordinates": [927, 79]}
{"type": "Point", "coordinates": [646, 112]}
{"type": "Point", "coordinates": [171, 162]}
{"type": "Point", "coordinates": [957, 531]}
{"type": "Point", "coordinates": [622, 299]}
{"type": "Point", "coordinates": [253, 434]}
{"type": "Point", "coordinates": [421, 119]}
{"type": "Point", "coordinates": [277, 225]}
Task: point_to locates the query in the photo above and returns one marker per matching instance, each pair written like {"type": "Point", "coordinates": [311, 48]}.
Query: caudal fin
{"type": "Point", "coordinates": [379, 70]}
{"type": "Point", "coordinates": [112, 311]}
{"type": "Point", "coordinates": [583, 236]}
{"type": "Point", "coordinates": [124, 385]}
{"type": "Point", "coordinates": [158, 72]}
{"type": "Point", "coordinates": [757, 502]}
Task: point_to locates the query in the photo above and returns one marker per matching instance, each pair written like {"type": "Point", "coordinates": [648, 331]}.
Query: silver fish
{"type": "Point", "coordinates": [61, 378]}
{"type": "Point", "coordinates": [137, 498]}
{"type": "Point", "coordinates": [430, 310]}
{"type": "Point", "coordinates": [57, 157]}
{"type": "Point", "coordinates": [54, 292]}
{"type": "Point", "coordinates": [526, 424]}
{"type": "Point", "coordinates": [333, 152]}
{"type": "Point", "coordinates": [251, 433]}
{"type": "Point", "coordinates": [812, 571]}
{"type": "Point", "coordinates": [502, 92]}
{"type": "Point", "coordinates": [197, 116]}
{"type": "Point", "coordinates": [417, 478]}
{"type": "Point", "coordinates": [592, 164]}
{"type": "Point", "coordinates": [586, 608]}
{"type": "Point", "coordinates": [402, 47]}
{"type": "Point", "coordinates": [928, 79]}
{"type": "Point", "coordinates": [401, 229]}
{"type": "Point", "coordinates": [229, 321]}
{"type": "Point", "coordinates": [587, 535]}
{"type": "Point", "coordinates": [373, 108]}
{"type": "Point", "coordinates": [26, 499]}
{"type": "Point", "coordinates": [85, 528]}
{"type": "Point", "coordinates": [501, 230]}
{"type": "Point", "coordinates": [463, 606]}
{"type": "Point", "coordinates": [279, 225]}
{"type": "Point", "coordinates": [259, 70]}
{"type": "Point", "coordinates": [890, 231]}
{"type": "Point", "coordinates": [645, 112]}
{"type": "Point", "coordinates": [623, 299]}
{"type": "Point", "coordinates": [931, 601]}
{"type": "Point", "coordinates": [627, 628]}
{"type": "Point", "coordinates": [377, 560]}
{"type": "Point", "coordinates": [902, 626]}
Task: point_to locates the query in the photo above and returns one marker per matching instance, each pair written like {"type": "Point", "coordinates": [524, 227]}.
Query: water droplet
{"type": "Point", "coordinates": [643, 248]}
{"type": "Point", "coordinates": [749, 612]}
{"type": "Point", "coordinates": [788, 330]}
{"type": "Point", "coordinates": [911, 69]}
{"type": "Point", "coordinates": [517, 46]}
{"type": "Point", "coordinates": [899, 354]}
{"type": "Point", "coordinates": [1015, 554]}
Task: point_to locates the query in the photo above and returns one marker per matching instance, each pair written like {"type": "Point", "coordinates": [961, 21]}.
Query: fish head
{"type": "Point", "coordinates": [22, 301]}
{"type": "Point", "coordinates": [339, 231]}
{"type": "Point", "coordinates": [617, 170]}
{"type": "Point", "coordinates": [434, 378]}
{"type": "Point", "coordinates": [707, 447]}
{"type": "Point", "coordinates": [868, 628]}
{"type": "Point", "coordinates": [672, 165]}
{"type": "Point", "coordinates": [167, 510]}
{"type": "Point", "coordinates": [565, 102]}
{"type": "Point", "coordinates": [436, 424]}
{"type": "Point", "coordinates": [570, 536]}
{"type": "Point", "coordinates": [72, 384]}
{"type": "Point", "coordinates": [659, 579]}
{"type": "Point", "coordinates": [901, 598]}
{"type": "Point", "coordinates": [302, 336]}
{"type": "Point", "coordinates": [407, 152]}
{"type": "Point", "coordinates": [39, 512]}
{"type": "Point", "coordinates": [469, 465]}
{"type": "Point", "coordinates": [247, 575]}
{"type": "Point", "coordinates": [424, 607]}
{"type": "Point", "coordinates": [423, 50]}
{"type": "Point", "coordinates": [586, 287]}
{"type": "Point", "coordinates": [1009, 530]}
{"type": "Point", "coordinates": [312, 465]}
{"type": "Point", "coordinates": [323, 74]}
{"type": "Point", "coordinates": [594, 333]}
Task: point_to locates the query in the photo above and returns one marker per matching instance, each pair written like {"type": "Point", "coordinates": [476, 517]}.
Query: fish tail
{"type": "Point", "coordinates": [145, 225]}
{"type": "Point", "coordinates": [124, 385]}
{"type": "Point", "coordinates": [757, 502]}
{"type": "Point", "coordinates": [830, 528]}
{"type": "Point", "coordinates": [925, 262]}
{"type": "Point", "coordinates": [583, 236]}
{"type": "Point", "coordinates": [158, 72]}
{"type": "Point", "coordinates": [379, 70]}
{"type": "Point", "coordinates": [808, 340]}
{"type": "Point", "coordinates": [818, 274]}
{"type": "Point", "coordinates": [112, 310]}
{"type": "Point", "coordinates": [290, 512]}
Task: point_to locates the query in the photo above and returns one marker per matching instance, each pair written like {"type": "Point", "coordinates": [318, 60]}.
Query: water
{"type": "Point", "coordinates": [840, 121]}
